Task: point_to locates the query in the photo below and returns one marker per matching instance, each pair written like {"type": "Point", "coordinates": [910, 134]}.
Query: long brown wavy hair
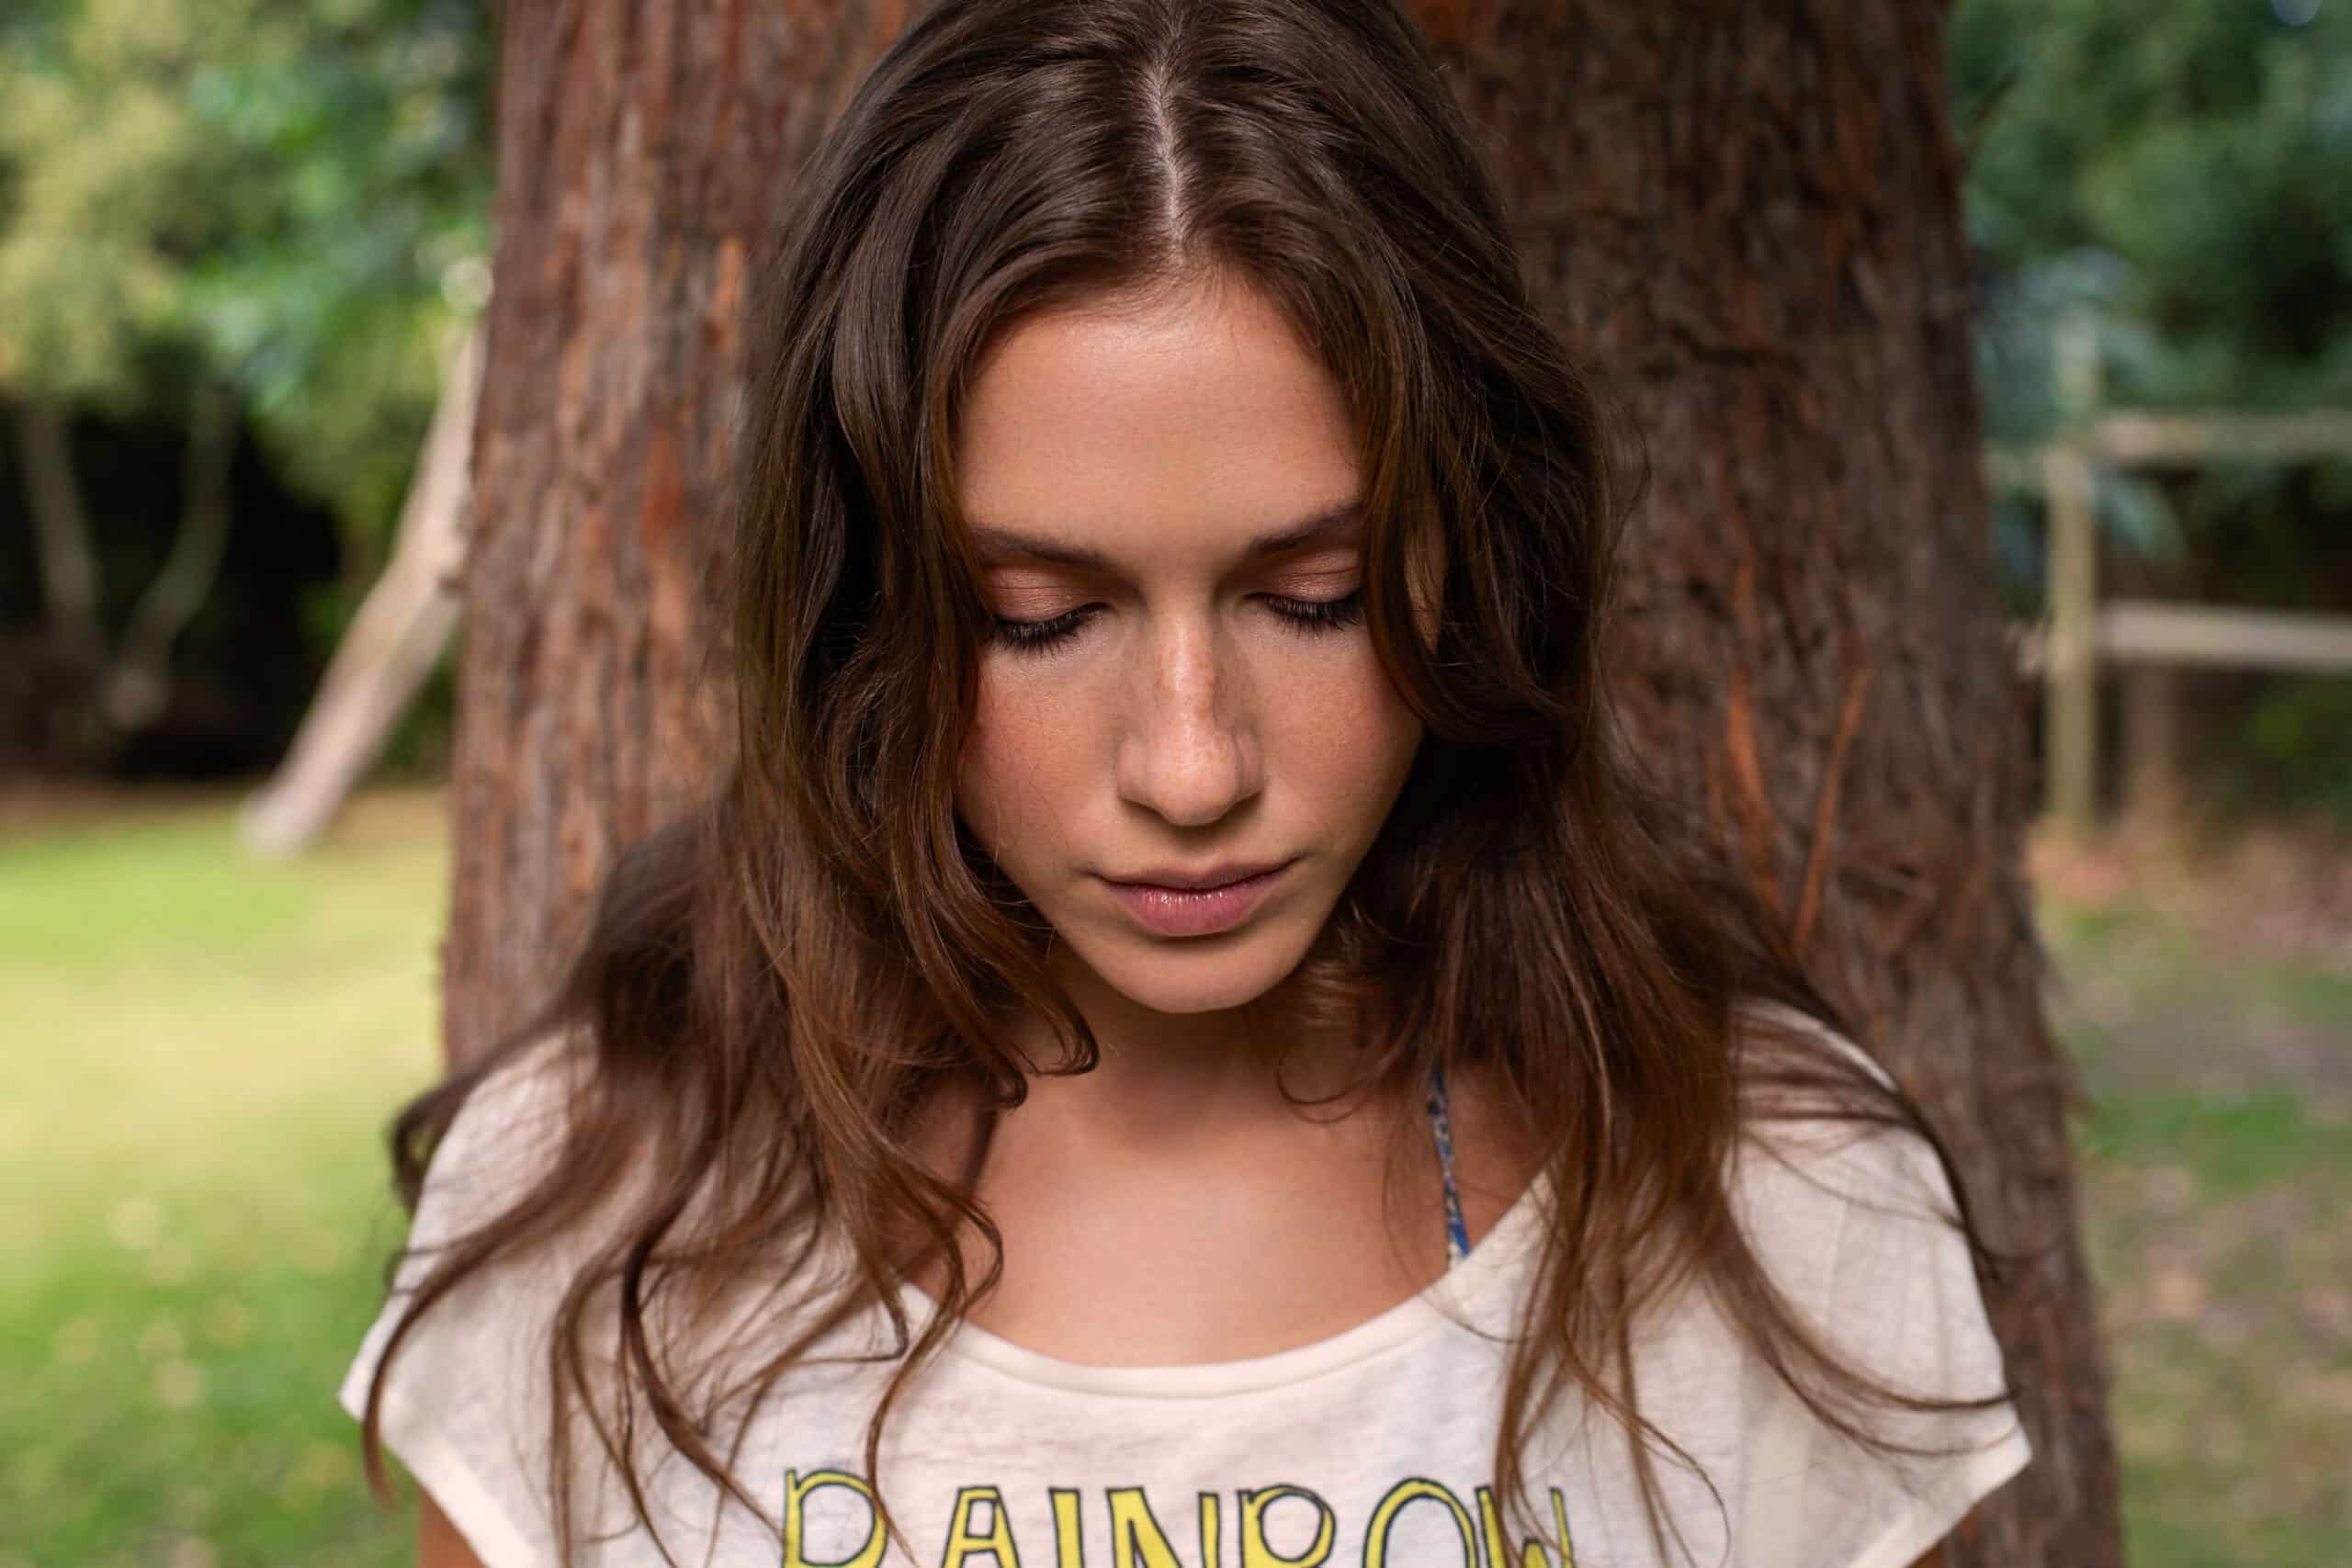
{"type": "Point", "coordinates": [773, 985]}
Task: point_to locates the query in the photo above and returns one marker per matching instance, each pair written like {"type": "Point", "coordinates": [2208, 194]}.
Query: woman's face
{"type": "Point", "coordinates": [1174, 688]}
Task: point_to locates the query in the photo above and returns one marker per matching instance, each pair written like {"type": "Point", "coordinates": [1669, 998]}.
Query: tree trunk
{"type": "Point", "coordinates": [644, 146]}
{"type": "Point", "coordinates": [1746, 219]}
{"type": "Point", "coordinates": [69, 564]}
{"type": "Point", "coordinates": [139, 686]}
{"type": "Point", "coordinates": [130, 689]}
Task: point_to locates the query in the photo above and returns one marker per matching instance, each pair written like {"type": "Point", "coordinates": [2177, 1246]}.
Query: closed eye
{"type": "Point", "coordinates": [1306, 616]}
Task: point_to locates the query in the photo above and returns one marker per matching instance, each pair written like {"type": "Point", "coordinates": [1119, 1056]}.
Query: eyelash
{"type": "Point", "coordinates": [1306, 616]}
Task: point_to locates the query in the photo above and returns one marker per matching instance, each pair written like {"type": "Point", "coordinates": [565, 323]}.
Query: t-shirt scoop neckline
{"type": "Point", "coordinates": [1441, 1302]}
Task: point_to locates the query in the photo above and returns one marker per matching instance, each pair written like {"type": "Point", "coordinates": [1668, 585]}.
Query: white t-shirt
{"type": "Point", "coordinates": [1373, 1447]}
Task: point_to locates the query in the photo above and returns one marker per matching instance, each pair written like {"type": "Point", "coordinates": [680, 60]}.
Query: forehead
{"type": "Point", "coordinates": [1191, 418]}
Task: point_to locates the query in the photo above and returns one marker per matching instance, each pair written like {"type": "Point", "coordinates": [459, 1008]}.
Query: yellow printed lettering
{"type": "Point", "coordinates": [1256, 1553]}
{"type": "Point", "coordinates": [1532, 1552]}
{"type": "Point", "coordinates": [1136, 1536]}
{"type": "Point", "coordinates": [1069, 1547]}
{"type": "Point", "coordinates": [1212, 1530]}
{"type": "Point", "coordinates": [797, 1489]}
{"type": "Point", "coordinates": [1416, 1489]}
{"type": "Point", "coordinates": [963, 1540]}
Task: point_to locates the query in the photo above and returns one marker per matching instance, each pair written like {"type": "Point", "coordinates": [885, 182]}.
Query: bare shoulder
{"type": "Point", "coordinates": [438, 1544]}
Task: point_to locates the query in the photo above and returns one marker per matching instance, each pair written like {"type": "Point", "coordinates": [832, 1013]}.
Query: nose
{"type": "Point", "coordinates": [1191, 753]}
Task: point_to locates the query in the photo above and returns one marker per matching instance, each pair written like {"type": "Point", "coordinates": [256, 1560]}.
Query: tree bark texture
{"type": "Point", "coordinates": [1746, 219]}
{"type": "Point", "coordinates": [644, 148]}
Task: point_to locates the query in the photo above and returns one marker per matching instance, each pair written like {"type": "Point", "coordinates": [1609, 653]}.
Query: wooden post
{"type": "Point", "coordinates": [2151, 794]}
{"type": "Point", "coordinates": [2071, 714]}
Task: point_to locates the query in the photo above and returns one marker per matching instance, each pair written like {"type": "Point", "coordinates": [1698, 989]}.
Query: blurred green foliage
{"type": "Point", "coordinates": [2176, 170]}
{"type": "Point", "coordinates": [2289, 750]}
{"type": "Point", "coordinates": [2177, 176]}
{"type": "Point", "coordinates": [291, 195]}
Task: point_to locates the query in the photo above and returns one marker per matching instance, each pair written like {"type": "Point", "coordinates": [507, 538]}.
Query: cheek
{"type": "Point", "coordinates": [1020, 763]}
{"type": "Point", "coordinates": [1347, 729]}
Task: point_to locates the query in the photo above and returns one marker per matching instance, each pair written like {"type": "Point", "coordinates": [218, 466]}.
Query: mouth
{"type": "Point", "coordinates": [1167, 910]}
{"type": "Point", "coordinates": [1198, 881]}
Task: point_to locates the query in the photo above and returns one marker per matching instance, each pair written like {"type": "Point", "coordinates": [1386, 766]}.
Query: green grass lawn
{"type": "Point", "coordinates": [199, 1052]}
{"type": "Point", "coordinates": [198, 1056]}
{"type": "Point", "coordinates": [2217, 1170]}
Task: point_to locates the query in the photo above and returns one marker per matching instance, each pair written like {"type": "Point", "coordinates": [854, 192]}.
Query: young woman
{"type": "Point", "coordinates": [1182, 1037]}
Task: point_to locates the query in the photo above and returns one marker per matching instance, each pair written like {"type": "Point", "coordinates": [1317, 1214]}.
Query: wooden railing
{"type": "Point", "coordinates": [2150, 640]}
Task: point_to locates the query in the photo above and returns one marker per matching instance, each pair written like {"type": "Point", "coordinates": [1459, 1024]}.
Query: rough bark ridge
{"type": "Point", "coordinates": [644, 148]}
{"type": "Point", "coordinates": [1746, 221]}
{"type": "Point", "coordinates": [1745, 217]}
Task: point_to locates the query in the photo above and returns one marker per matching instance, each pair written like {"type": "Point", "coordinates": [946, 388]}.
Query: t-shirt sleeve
{"type": "Point", "coordinates": [465, 1402]}
{"type": "Point", "coordinates": [1862, 1216]}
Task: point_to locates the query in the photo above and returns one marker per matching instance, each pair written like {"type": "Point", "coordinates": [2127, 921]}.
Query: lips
{"type": "Point", "coordinates": [1167, 909]}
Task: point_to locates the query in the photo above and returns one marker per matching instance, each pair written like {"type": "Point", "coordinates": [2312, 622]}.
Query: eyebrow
{"type": "Point", "coordinates": [1332, 523]}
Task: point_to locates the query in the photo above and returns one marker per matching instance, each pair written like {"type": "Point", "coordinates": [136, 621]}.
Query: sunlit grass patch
{"type": "Point", "coordinates": [197, 1059]}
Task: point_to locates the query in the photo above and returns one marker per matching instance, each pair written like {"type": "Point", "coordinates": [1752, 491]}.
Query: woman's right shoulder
{"type": "Point", "coordinates": [465, 1394]}
{"type": "Point", "coordinates": [503, 1135]}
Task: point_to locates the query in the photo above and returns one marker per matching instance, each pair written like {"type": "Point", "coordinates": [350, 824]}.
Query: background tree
{"type": "Point", "coordinates": [1746, 218]}
{"type": "Point", "coordinates": [226, 215]}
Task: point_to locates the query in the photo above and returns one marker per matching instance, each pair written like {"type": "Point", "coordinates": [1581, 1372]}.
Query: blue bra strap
{"type": "Point", "coordinates": [1457, 1234]}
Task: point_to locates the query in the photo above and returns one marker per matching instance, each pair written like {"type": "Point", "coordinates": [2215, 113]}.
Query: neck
{"type": "Point", "coordinates": [1163, 1075]}
{"type": "Point", "coordinates": [1178, 1086]}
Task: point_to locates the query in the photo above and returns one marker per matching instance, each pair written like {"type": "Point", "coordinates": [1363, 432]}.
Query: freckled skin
{"type": "Point", "coordinates": [1185, 721]}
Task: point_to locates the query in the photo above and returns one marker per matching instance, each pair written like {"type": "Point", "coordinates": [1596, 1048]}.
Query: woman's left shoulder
{"type": "Point", "coordinates": [1807, 1158]}
{"type": "Point", "coordinates": [1855, 1223]}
